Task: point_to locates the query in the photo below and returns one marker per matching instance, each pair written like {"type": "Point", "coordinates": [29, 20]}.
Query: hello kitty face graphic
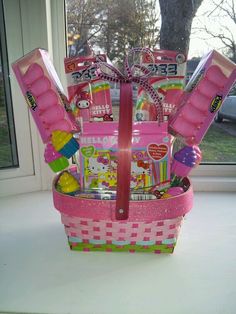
{"type": "Point", "coordinates": [139, 167]}
{"type": "Point", "coordinates": [83, 101]}
{"type": "Point", "coordinates": [98, 165]}
{"type": "Point", "coordinates": [83, 104]}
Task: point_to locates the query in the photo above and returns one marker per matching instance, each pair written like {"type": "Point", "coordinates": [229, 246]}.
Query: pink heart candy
{"type": "Point", "coordinates": [53, 114]}
{"type": "Point", "coordinates": [183, 127]}
{"type": "Point", "coordinates": [193, 115]}
{"type": "Point", "coordinates": [40, 86]}
{"type": "Point", "coordinates": [46, 100]}
{"type": "Point", "coordinates": [200, 101]}
{"type": "Point", "coordinates": [216, 76]}
{"type": "Point", "coordinates": [33, 73]}
{"type": "Point", "coordinates": [207, 88]}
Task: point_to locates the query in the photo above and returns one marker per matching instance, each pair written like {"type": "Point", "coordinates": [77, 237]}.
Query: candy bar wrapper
{"type": "Point", "coordinates": [44, 93]}
{"type": "Point", "coordinates": [203, 97]}
{"type": "Point", "coordinates": [167, 78]}
{"type": "Point", "coordinates": [89, 96]}
{"type": "Point", "coordinates": [151, 149]}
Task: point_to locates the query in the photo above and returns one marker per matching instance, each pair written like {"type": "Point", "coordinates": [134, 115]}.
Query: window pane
{"type": "Point", "coordinates": [219, 144]}
{"type": "Point", "coordinates": [8, 150]}
{"type": "Point", "coordinates": [105, 26]}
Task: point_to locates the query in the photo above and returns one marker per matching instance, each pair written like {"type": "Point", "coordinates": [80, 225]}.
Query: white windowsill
{"type": "Point", "coordinates": [39, 274]}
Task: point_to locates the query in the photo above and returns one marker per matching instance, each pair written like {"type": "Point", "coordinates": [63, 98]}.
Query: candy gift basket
{"type": "Point", "coordinates": [127, 189]}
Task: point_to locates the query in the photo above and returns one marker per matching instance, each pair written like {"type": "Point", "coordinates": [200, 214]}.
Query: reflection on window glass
{"type": "Point", "coordinates": [8, 150]}
{"type": "Point", "coordinates": [109, 27]}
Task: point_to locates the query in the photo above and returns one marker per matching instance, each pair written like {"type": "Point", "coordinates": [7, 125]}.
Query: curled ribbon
{"type": "Point", "coordinates": [114, 75]}
{"type": "Point", "coordinates": [125, 120]}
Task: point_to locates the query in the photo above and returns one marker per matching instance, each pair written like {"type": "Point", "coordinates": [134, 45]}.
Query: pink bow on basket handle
{"type": "Point", "coordinates": [110, 73]}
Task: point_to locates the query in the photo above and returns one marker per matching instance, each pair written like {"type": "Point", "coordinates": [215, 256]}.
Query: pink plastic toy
{"type": "Point", "coordinates": [203, 97]}
{"type": "Point", "coordinates": [47, 100]}
{"type": "Point", "coordinates": [43, 92]}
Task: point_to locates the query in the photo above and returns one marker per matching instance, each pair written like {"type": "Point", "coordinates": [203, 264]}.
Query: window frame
{"type": "Point", "coordinates": [7, 91]}
{"type": "Point", "coordinates": [32, 174]}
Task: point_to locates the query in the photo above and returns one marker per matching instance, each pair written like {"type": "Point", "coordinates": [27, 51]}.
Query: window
{"type": "Point", "coordinates": [109, 29]}
{"type": "Point", "coordinates": [8, 149]}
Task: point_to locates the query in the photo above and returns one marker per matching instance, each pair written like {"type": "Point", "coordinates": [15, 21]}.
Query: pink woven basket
{"type": "Point", "coordinates": [152, 226]}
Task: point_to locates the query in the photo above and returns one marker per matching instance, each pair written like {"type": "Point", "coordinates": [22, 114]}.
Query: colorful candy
{"type": "Point", "coordinates": [55, 160]}
{"type": "Point", "coordinates": [64, 143]}
{"type": "Point", "coordinates": [184, 161]}
{"type": "Point", "coordinates": [173, 191]}
{"type": "Point", "coordinates": [68, 184]}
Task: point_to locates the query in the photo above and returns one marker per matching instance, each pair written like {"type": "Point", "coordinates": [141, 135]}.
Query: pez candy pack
{"type": "Point", "coordinates": [44, 93]}
{"type": "Point", "coordinates": [89, 96]}
{"type": "Point", "coordinates": [167, 78]}
{"type": "Point", "coordinates": [150, 162]}
{"type": "Point", "coordinates": [202, 97]}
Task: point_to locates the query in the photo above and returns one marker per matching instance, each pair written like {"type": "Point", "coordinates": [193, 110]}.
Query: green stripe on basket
{"type": "Point", "coordinates": [122, 243]}
{"type": "Point", "coordinates": [163, 248]}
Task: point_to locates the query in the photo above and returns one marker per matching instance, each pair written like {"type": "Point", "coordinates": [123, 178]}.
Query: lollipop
{"type": "Point", "coordinates": [184, 161]}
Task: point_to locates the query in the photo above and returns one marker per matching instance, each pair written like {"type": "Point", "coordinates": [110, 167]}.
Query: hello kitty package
{"type": "Point", "coordinates": [150, 157]}
{"type": "Point", "coordinates": [89, 96]}
{"type": "Point", "coordinates": [167, 78]}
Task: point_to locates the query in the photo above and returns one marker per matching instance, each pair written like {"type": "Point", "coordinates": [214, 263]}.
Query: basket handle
{"type": "Point", "coordinates": [124, 151]}
{"type": "Point", "coordinates": [108, 72]}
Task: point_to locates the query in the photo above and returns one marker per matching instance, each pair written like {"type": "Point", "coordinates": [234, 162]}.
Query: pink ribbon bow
{"type": "Point", "coordinates": [108, 72]}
